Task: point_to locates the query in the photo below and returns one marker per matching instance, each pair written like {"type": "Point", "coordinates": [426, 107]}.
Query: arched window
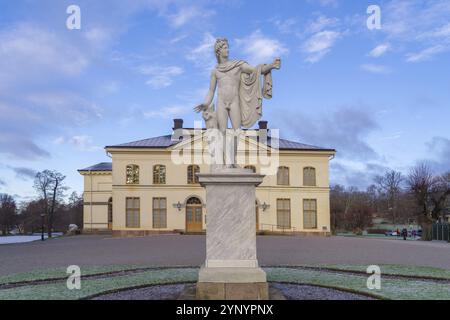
{"type": "Point", "coordinates": [194, 200]}
{"type": "Point", "coordinates": [283, 176]}
{"type": "Point", "coordinates": [132, 174]}
{"type": "Point", "coordinates": [253, 168]}
{"type": "Point", "coordinates": [309, 176]}
{"type": "Point", "coordinates": [159, 174]}
{"type": "Point", "coordinates": [192, 174]}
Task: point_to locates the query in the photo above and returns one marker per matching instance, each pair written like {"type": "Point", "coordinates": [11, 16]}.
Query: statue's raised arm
{"type": "Point", "coordinates": [265, 69]}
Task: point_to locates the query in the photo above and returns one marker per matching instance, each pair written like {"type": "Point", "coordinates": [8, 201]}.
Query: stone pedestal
{"type": "Point", "coordinates": [231, 269]}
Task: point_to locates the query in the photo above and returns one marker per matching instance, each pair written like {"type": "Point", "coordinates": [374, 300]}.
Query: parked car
{"type": "Point", "coordinates": [391, 234]}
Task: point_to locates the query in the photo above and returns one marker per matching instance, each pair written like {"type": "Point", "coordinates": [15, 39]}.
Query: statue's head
{"type": "Point", "coordinates": [221, 48]}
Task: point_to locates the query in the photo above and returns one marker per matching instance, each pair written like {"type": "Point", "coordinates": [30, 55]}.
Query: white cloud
{"type": "Point", "coordinates": [405, 20]}
{"type": "Point", "coordinates": [63, 107]}
{"type": "Point", "coordinates": [159, 82]}
{"type": "Point", "coordinates": [178, 39]}
{"type": "Point", "coordinates": [439, 151]}
{"type": "Point", "coordinates": [285, 26]}
{"type": "Point", "coordinates": [187, 14]}
{"type": "Point", "coordinates": [325, 3]}
{"type": "Point", "coordinates": [375, 68]}
{"type": "Point", "coordinates": [84, 143]}
{"type": "Point", "coordinates": [109, 88]}
{"type": "Point", "coordinates": [319, 44]}
{"type": "Point", "coordinates": [160, 77]}
{"type": "Point", "coordinates": [166, 112]}
{"type": "Point", "coordinates": [380, 50]}
{"type": "Point", "coordinates": [321, 23]}
{"type": "Point", "coordinates": [203, 54]}
{"type": "Point", "coordinates": [259, 48]}
{"type": "Point", "coordinates": [28, 52]}
{"type": "Point", "coordinates": [418, 24]}
{"type": "Point", "coordinates": [321, 35]}
{"type": "Point", "coordinates": [440, 32]}
{"type": "Point", "coordinates": [425, 54]}
{"type": "Point", "coordinates": [34, 114]}
{"type": "Point", "coordinates": [59, 140]}
{"type": "Point", "coordinates": [98, 37]}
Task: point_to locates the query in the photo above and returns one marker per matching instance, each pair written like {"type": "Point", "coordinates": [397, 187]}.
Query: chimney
{"type": "Point", "coordinates": [262, 125]}
{"type": "Point", "coordinates": [177, 124]}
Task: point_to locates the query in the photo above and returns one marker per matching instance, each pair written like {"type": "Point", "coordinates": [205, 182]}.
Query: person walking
{"type": "Point", "coordinates": [404, 233]}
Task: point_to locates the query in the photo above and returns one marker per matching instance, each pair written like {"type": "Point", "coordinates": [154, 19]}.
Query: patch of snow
{"type": "Point", "coordinates": [24, 239]}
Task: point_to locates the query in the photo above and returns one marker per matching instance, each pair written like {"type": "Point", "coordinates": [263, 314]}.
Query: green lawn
{"type": "Point", "coordinates": [396, 270]}
{"type": "Point", "coordinates": [60, 273]}
{"type": "Point", "coordinates": [390, 288]}
{"type": "Point", "coordinates": [89, 287]}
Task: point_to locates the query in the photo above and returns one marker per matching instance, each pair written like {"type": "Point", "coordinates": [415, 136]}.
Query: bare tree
{"type": "Point", "coordinates": [421, 182]}
{"type": "Point", "coordinates": [372, 193]}
{"type": "Point", "coordinates": [440, 193]}
{"type": "Point", "coordinates": [30, 215]}
{"type": "Point", "coordinates": [351, 210]}
{"type": "Point", "coordinates": [337, 205]}
{"type": "Point", "coordinates": [75, 209]}
{"type": "Point", "coordinates": [390, 184]}
{"type": "Point", "coordinates": [49, 184]}
{"type": "Point", "coordinates": [8, 212]}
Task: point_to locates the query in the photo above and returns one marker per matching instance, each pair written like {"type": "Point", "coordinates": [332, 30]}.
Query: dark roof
{"type": "Point", "coordinates": [166, 141]}
{"type": "Point", "coordinates": [104, 166]}
{"type": "Point", "coordinates": [284, 144]}
{"type": "Point", "coordinates": [157, 142]}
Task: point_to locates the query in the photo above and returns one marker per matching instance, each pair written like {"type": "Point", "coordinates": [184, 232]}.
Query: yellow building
{"type": "Point", "coordinates": [144, 192]}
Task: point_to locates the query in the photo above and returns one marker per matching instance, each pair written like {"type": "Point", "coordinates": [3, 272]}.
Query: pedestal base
{"type": "Point", "coordinates": [231, 268]}
{"type": "Point", "coordinates": [232, 284]}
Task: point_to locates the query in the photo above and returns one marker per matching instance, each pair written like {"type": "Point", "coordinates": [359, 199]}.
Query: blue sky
{"type": "Point", "coordinates": [380, 97]}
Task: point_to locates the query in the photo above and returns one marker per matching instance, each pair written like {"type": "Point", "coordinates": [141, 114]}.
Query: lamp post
{"type": "Point", "coordinates": [42, 226]}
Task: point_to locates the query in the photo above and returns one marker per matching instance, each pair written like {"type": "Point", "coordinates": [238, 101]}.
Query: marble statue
{"type": "Point", "coordinates": [240, 91]}
{"type": "Point", "coordinates": [239, 97]}
{"type": "Point", "coordinates": [231, 268]}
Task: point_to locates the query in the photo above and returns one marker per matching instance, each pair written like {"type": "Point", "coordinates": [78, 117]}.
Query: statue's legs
{"type": "Point", "coordinates": [232, 111]}
{"type": "Point", "coordinates": [222, 116]}
{"type": "Point", "coordinates": [222, 122]}
{"type": "Point", "coordinates": [235, 115]}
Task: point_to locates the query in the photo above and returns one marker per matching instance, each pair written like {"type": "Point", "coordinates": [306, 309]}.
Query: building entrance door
{"type": "Point", "coordinates": [194, 215]}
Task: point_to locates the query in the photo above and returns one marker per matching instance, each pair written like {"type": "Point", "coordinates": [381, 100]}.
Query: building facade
{"type": "Point", "coordinates": [143, 191]}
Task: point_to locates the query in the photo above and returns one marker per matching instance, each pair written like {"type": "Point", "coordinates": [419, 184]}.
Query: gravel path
{"type": "Point", "coordinates": [167, 292]}
{"type": "Point", "coordinates": [290, 291]}
{"type": "Point", "coordinates": [174, 250]}
{"type": "Point", "coordinates": [305, 292]}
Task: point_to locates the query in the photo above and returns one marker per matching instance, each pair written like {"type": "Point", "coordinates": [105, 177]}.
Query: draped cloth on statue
{"type": "Point", "coordinates": [250, 92]}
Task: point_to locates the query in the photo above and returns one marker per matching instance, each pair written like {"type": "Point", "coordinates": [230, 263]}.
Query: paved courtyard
{"type": "Point", "coordinates": [173, 250]}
